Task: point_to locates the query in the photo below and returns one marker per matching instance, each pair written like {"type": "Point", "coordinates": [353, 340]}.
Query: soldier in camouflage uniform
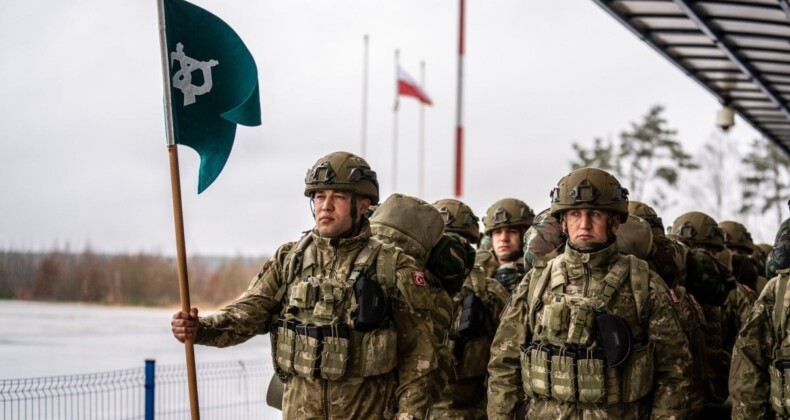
{"type": "Point", "coordinates": [477, 308]}
{"type": "Point", "coordinates": [739, 301]}
{"type": "Point", "coordinates": [505, 222]}
{"type": "Point", "coordinates": [760, 371]}
{"type": "Point", "coordinates": [710, 282]}
{"type": "Point", "coordinates": [561, 347]}
{"type": "Point", "coordinates": [667, 257]}
{"type": "Point", "coordinates": [350, 317]}
{"type": "Point", "coordinates": [417, 228]}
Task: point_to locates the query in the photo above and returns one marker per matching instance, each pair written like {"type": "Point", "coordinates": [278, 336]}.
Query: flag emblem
{"type": "Point", "coordinates": [182, 79]}
{"type": "Point", "coordinates": [419, 278]}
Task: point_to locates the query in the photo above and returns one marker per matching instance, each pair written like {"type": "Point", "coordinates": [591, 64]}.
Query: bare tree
{"type": "Point", "coordinates": [766, 184]}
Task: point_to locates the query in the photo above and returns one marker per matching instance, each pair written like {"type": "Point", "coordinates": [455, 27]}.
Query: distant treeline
{"type": "Point", "coordinates": [140, 279]}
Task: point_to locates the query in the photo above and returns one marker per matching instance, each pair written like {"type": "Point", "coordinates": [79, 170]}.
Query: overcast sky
{"type": "Point", "coordinates": [82, 146]}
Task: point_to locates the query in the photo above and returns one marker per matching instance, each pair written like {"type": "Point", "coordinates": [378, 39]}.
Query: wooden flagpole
{"type": "Point", "coordinates": [175, 186]}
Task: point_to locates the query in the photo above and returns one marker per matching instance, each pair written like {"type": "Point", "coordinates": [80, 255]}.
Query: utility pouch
{"type": "Point", "coordinates": [555, 320]}
{"type": "Point", "coordinates": [303, 294]}
{"type": "Point", "coordinates": [371, 304]}
{"type": "Point", "coordinates": [591, 377]}
{"type": "Point", "coordinates": [308, 344]}
{"type": "Point", "coordinates": [472, 317]}
{"type": "Point", "coordinates": [334, 355]}
{"type": "Point", "coordinates": [526, 378]}
{"type": "Point", "coordinates": [563, 376]}
{"type": "Point", "coordinates": [328, 297]}
{"type": "Point", "coordinates": [580, 326]}
{"type": "Point", "coordinates": [638, 373]}
{"type": "Point", "coordinates": [379, 352]}
{"type": "Point", "coordinates": [286, 335]}
{"type": "Point", "coordinates": [540, 370]}
{"type": "Point", "coordinates": [779, 371]}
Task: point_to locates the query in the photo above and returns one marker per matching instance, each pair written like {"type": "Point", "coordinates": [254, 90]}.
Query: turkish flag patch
{"type": "Point", "coordinates": [674, 297]}
{"type": "Point", "coordinates": [418, 277]}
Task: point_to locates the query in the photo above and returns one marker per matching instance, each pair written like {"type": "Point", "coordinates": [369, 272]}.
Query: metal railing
{"type": "Point", "coordinates": [227, 390]}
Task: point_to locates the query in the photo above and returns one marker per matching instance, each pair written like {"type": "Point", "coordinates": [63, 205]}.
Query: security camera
{"type": "Point", "coordinates": [725, 118]}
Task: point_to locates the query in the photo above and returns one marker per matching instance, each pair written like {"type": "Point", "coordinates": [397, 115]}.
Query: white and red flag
{"type": "Point", "coordinates": [408, 87]}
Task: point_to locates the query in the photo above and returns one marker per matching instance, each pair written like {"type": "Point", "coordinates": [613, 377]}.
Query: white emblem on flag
{"type": "Point", "coordinates": [182, 80]}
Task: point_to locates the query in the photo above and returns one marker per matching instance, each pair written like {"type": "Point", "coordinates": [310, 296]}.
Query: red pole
{"type": "Point", "coordinates": [459, 131]}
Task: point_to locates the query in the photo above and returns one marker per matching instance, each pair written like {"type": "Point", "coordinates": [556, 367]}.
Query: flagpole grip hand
{"type": "Point", "coordinates": [185, 325]}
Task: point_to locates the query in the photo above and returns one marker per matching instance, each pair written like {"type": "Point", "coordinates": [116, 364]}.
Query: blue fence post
{"type": "Point", "coordinates": [150, 369]}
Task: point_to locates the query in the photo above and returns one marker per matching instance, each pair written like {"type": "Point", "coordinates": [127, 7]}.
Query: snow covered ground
{"type": "Point", "coordinates": [52, 339]}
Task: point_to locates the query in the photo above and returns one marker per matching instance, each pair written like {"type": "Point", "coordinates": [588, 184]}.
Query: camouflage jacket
{"type": "Point", "coordinates": [735, 312]}
{"type": "Point", "coordinates": [753, 352]}
{"type": "Point", "coordinates": [465, 395]}
{"type": "Point", "coordinates": [487, 260]}
{"type": "Point", "coordinates": [692, 321]}
{"type": "Point", "coordinates": [406, 391]}
{"type": "Point", "coordinates": [659, 325]}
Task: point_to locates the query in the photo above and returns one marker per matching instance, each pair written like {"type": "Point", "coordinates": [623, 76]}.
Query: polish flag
{"type": "Point", "coordinates": [408, 87]}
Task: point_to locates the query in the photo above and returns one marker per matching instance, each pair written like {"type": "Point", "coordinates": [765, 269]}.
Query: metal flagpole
{"type": "Point", "coordinates": [459, 130]}
{"type": "Point", "coordinates": [421, 157]}
{"type": "Point", "coordinates": [364, 99]}
{"type": "Point", "coordinates": [395, 130]}
{"type": "Point", "coordinates": [175, 186]}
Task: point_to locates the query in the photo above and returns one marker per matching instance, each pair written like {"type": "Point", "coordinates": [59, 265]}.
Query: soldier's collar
{"type": "Point", "coordinates": [353, 242]}
{"type": "Point", "coordinates": [591, 258]}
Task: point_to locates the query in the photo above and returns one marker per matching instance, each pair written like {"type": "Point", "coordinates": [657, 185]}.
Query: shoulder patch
{"type": "Point", "coordinates": [674, 297]}
{"type": "Point", "coordinates": [418, 277]}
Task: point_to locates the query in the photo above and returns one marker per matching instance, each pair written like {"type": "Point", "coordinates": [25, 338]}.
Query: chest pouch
{"type": "Point", "coordinates": [582, 320]}
{"type": "Point", "coordinates": [334, 354]}
{"type": "Point", "coordinates": [304, 293]}
{"type": "Point", "coordinates": [554, 323]}
{"type": "Point", "coordinates": [328, 302]}
{"type": "Point", "coordinates": [536, 370]}
{"type": "Point", "coordinates": [307, 350]}
{"type": "Point", "coordinates": [779, 372]}
{"type": "Point", "coordinates": [283, 347]}
{"type": "Point", "coordinates": [591, 376]}
{"type": "Point", "coordinates": [563, 375]}
{"type": "Point", "coordinates": [371, 304]}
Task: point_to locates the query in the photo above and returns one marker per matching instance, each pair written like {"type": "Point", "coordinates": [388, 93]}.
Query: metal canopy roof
{"type": "Point", "coordinates": [738, 50]}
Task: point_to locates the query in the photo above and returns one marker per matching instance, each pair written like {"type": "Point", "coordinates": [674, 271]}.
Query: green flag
{"type": "Point", "coordinates": [213, 84]}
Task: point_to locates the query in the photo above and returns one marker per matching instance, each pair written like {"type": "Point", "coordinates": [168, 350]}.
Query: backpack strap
{"type": "Point", "coordinates": [537, 285]}
{"type": "Point", "coordinates": [640, 279]}
{"type": "Point", "coordinates": [293, 261]}
{"type": "Point", "coordinates": [780, 312]}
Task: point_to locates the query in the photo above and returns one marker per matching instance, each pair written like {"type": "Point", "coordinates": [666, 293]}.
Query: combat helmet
{"type": "Point", "coordinates": [589, 188]}
{"type": "Point", "coordinates": [779, 257]}
{"type": "Point", "coordinates": [696, 228]}
{"type": "Point", "coordinates": [459, 218]}
{"type": "Point", "coordinates": [508, 212]}
{"type": "Point", "coordinates": [342, 171]}
{"type": "Point", "coordinates": [736, 237]}
{"type": "Point", "coordinates": [648, 214]}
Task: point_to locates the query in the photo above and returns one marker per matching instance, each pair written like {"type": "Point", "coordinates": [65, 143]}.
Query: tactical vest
{"type": "Point", "coordinates": [779, 369]}
{"type": "Point", "coordinates": [314, 335]}
{"type": "Point", "coordinates": [566, 361]}
{"type": "Point", "coordinates": [473, 329]}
